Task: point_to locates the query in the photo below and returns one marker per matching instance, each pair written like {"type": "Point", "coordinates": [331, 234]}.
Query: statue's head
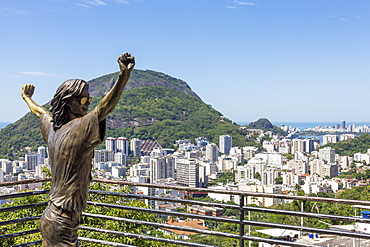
{"type": "Point", "coordinates": [70, 101]}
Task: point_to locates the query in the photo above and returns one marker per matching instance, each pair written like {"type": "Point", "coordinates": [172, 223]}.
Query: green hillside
{"type": "Point", "coordinates": [265, 125]}
{"type": "Point", "coordinates": [166, 113]}
{"type": "Point", "coordinates": [349, 147]}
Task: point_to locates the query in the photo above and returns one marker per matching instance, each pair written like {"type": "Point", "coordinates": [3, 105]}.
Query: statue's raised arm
{"type": "Point", "coordinates": [108, 103]}
{"type": "Point", "coordinates": [27, 92]}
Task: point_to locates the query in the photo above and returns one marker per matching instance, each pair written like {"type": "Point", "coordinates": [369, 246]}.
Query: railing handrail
{"type": "Point", "coordinates": [208, 190]}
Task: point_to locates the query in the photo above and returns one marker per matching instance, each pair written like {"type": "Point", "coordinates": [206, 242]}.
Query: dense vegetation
{"type": "Point", "coordinates": [168, 115]}
{"type": "Point", "coordinates": [265, 125]}
{"type": "Point", "coordinates": [349, 147]}
{"type": "Point", "coordinates": [139, 78]}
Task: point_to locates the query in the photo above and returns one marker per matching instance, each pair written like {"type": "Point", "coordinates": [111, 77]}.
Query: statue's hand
{"type": "Point", "coordinates": [126, 62]}
{"type": "Point", "coordinates": [27, 90]}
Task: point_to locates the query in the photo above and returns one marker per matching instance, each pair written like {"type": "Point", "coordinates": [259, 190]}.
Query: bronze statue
{"type": "Point", "coordinates": [71, 135]}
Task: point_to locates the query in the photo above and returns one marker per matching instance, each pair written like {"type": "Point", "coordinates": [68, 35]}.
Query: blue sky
{"type": "Point", "coordinates": [285, 60]}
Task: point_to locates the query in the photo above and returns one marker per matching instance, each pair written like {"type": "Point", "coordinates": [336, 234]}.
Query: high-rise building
{"type": "Point", "coordinates": [118, 171]}
{"type": "Point", "coordinates": [309, 145]}
{"type": "Point", "coordinates": [157, 168]}
{"type": "Point", "coordinates": [187, 173]}
{"type": "Point", "coordinates": [343, 124]}
{"type": "Point", "coordinates": [135, 147]}
{"type": "Point", "coordinates": [32, 161]}
{"type": "Point", "coordinates": [120, 158]}
{"type": "Point", "coordinates": [161, 168]}
{"type": "Point", "coordinates": [329, 139]}
{"type": "Point", "coordinates": [327, 154]}
{"type": "Point", "coordinates": [212, 152]}
{"type": "Point", "coordinates": [103, 156]}
{"type": "Point", "coordinates": [122, 145]}
{"type": "Point", "coordinates": [269, 175]}
{"type": "Point", "coordinates": [111, 144]}
{"type": "Point", "coordinates": [225, 143]}
{"type": "Point", "coordinates": [299, 145]}
{"type": "Point", "coordinates": [42, 152]}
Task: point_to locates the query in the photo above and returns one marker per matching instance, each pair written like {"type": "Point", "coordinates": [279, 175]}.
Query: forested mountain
{"type": "Point", "coordinates": [266, 125]}
{"type": "Point", "coordinates": [154, 106]}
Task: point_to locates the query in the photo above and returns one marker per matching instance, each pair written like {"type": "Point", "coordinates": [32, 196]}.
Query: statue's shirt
{"type": "Point", "coordinates": [71, 149]}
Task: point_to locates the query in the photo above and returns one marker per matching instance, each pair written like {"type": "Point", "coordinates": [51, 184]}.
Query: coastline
{"type": "Point", "coordinates": [306, 125]}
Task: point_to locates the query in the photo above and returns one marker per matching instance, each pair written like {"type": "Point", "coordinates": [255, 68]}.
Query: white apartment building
{"type": "Point", "coordinates": [225, 143]}
{"type": "Point", "coordinates": [269, 175]}
{"type": "Point", "coordinates": [212, 152]}
{"type": "Point", "coordinates": [118, 171]}
{"type": "Point", "coordinates": [103, 156]}
{"type": "Point", "coordinates": [120, 158]}
{"type": "Point", "coordinates": [344, 137]}
{"type": "Point", "coordinates": [272, 159]}
{"type": "Point", "coordinates": [298, 166]}
{"type": "Point", "coordinates": [7, 165]}
{"type": "Point", "coordinates": [345, 161]}
{"type": "Point", "coordinates": [244, 173]}
{"type": "Point", "coordinates": [327, 154]}
{"type": "Point", "coordinates": [135, 147]}
{"type": "Point", "coordinates": [161, 168]}
{"type": "Point", "coordinates": [249, 152]}
{"type": "Point", "coordinates": [298, 145]}
{"type": "Point", "coordinates": [187, 172]}
{"type": "Point", "coordinates": [122, 145]}
{"type": "Point", "coordinates": [32, 160]}
{"type": "Point", "coordinates": [259, 164]}
{"type": "Point", "coordinates": [227, 163]}
{"type": "Point", "coordinates": [42, 152]}
{"type": "Point", "coordinates": [329, 139]}
{"type": "Point", "coordinates": [111, 144]}
{"type": "Point", "coordinates": [290, 178]}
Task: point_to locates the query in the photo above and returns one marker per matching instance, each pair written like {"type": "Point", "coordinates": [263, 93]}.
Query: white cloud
{"type": "Point", "coordinates": [7, 12]}
{"type": "Point", "coordinates": [40, 74]}
{"type": "Point", "coordinates": [89, 3]}
{"type": "Point", "coordinates": [230, 7]}
{"type": "Point", "coordinates": [96, 2]}
{"type": "Point", "coordinates": [83, 5]}
{"type": "Point", "coordinates": [343, 19]}
{"type": "Point", "coordinates": [357, 16]}
{"type": "Point", "coordinates": [122, 1]}
{"type": "Point", "coordinates": [244, 3]}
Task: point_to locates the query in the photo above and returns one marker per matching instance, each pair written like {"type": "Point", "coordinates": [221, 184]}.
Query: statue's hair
{"type": "Point", "coordinates": [59, 104]}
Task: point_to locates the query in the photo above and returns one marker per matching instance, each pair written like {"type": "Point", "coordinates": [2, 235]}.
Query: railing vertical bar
{"type": "Point", "coordinates": [241, 225]}
{"type": "Point", "coordinates": [302, 219]}
{"type": "Point", "coordinates": [249, 229]}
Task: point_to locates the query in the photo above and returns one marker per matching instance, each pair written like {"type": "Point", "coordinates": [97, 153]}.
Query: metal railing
{"type": "Point", "coordinates": [242, 236]}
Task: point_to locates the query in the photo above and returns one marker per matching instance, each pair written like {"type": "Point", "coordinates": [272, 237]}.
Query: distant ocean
{"type": "Point", "coordinates": [3, 124]}
{"type": "Point", "coordinates": [306, 125]}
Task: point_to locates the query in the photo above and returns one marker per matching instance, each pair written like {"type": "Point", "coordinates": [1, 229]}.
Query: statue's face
{"type": "Point", "coordinates": [79, 104]}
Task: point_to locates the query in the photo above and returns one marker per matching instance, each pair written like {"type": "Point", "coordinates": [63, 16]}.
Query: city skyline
{"type": "Point", "coordinates": [287, 61]}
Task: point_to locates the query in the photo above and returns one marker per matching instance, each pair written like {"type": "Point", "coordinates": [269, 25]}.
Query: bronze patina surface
{"type": "Point", "coordinates": [71, 135]}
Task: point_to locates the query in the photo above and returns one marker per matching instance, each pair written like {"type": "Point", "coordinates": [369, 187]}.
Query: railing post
{"type": "Point", "coordinates": [241, 219]}
{"type": "Point", "coordinates": [302, 210]}
{"type": "Point", "coordinates": [249, 229]}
